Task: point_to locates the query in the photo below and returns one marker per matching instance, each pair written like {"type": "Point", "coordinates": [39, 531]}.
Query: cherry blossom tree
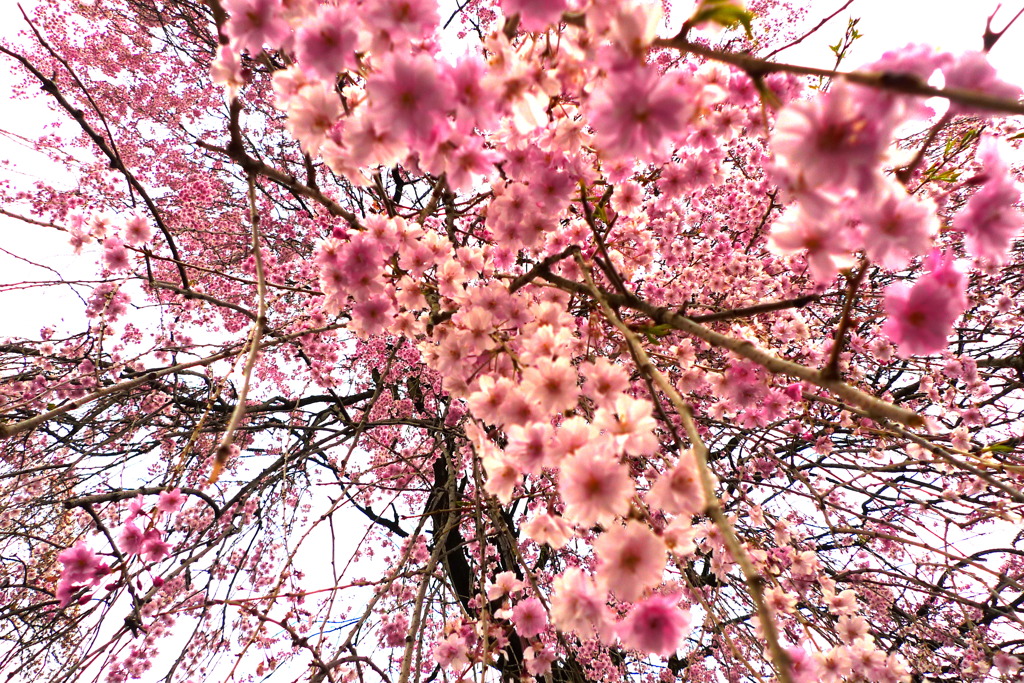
{"type": "Point", "coordinates": [513, 340]}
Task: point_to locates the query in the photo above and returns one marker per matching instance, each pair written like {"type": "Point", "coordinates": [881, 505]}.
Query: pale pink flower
{"type": "Point", "coordinates": [529, 617]}
{"type": "Point", "coordinates": [990, 218]}
{"type": "Point", "coordinates": [851, 629]}
{"type": "Point", "coordinates": [402, 20]}
{"type": "Point", "coordinates": [255, 23]}
{"type": "Point", "coordinates": [539, 661]}
{"type": "Point", "coordinates": [843, 603]}
{"type": "Point", "coordinates": [656, 626]}
{"type": "Point", "coordinates": [576, 605]}
{"type": "Point", "coordinates": [470, 164]}
{"type": "Point", "coordinates": [409, 95]}
{"type": "Point", "coordinates": [528, 445]}
{"type": "Point", "coordinates": [679, 491]}
{"type": "Point", "coordinates": [131, 539]}
{"type": "Point", "coordinates": [311, 114]}
{"type": "Point", "coordinates": [636, 111]}
{"type": "Point", "coordinates": [535, 15]}
{"type": "Point", "coordinates": [605, 381]}
{"type": "Point", "coordinates": [504, 584]}
{"type": "Point", "coordinates": [502, 477]}
{"type": "Point", "coordinates": [826, 242]}
{"type": "Point", "coordinates": [326, 43]}
{"type": "Point", "coordinates": [631, 559]}
{"type": "Point", "coordinates": [452, 652]}
{"type": "Point", "coordinates": [972, 71]}
{"type": "Point", "coordinates": [548, 529]}
{"type": "Point", "coordinates": [488, 401]}
{"type": "Point", "coordinates": [679, 537]}
{"type": "Point", "coordinates": [596, 488]}
{"type": "Point", "coordinates": [834, 665]}
{"type": "Point", "coordinates": [574, 434]}
{"type": "Point", "coordinates": [137, 230]}
{"type": "Point", "coordinates": [226, 70]}
{"type": "Point", "coordinates": [898, 228]}
{"type": "Point", "coordinates": [832, 139]}
{"type": "Point", "coordinates": [779, 600]}
{"type": "Point", "coordinates": [552, 384]}
{"type": "Point", "coordinates": [630, 424]}
{"type": "Point", "coordinates": [170, 501]}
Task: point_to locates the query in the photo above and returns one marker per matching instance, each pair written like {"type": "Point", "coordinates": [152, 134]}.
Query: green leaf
{"type": "Point", "coordinates": [723, 13]}
{"type": "Point", "coordinates": [997, 448]}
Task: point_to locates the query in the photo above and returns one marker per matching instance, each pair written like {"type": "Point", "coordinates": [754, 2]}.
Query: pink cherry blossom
{"type": "Point", "coordinates": [637, 112]}
{"type": "Point", "coordinates": [409, 95]}
{"type": "Point", "coordinates": [990, 218]}
{"type": "Point", "coordinates": [81, 565]}
{"type": "Point", "coordinates": [596, 488]}
{"type": "Point", "coordinates": [504, 584]}
{"type": "Point", "coordinates": [552, 384]}
{"type": "Point", "coordinates": [803, 666]}
{"type": "Point", "coordinates": [898, 228]}
{"type": "Point", "coordinates": [832, 140]}
{"type": "Point", "coordinates": [326, 43]}
{"type": "Point", "coordinates": [535, 15]}
{"type": "Point", "coordinates": [154, 547]}
{"type": "Point", "coordinates": [632, 559]}
{"type": "Point", "coordinates": [656, 625]}
{"type": "Point", "coordinates": [255, 23]}
{"type": "Point", "coordinates": [311, 114]}
{"type": "Point", "coordinates": [972, 71]}
{"type": "Point", "coordinates": [529, 617]}
{"type": "Point", "coordinates": [548, 529]}
{"type": "Point", "coordinates": [400, 20]}
{"type": "Point", "coordinates": [630, 424]}
{"type": "Point", "coordinates": [679, 491]}
{"type": "Point", "coordinates": [920, 317]}
{"type": "Point", "coordinates": [137, 230]}
{"type": "Point", "coordinates": [576, 605]}
{"type": "Point", "coordinates": [170, 501]}
{"type": "Point", "coordinates": [826, 242]}
{"type": "Point", "coordinates": [131, 539]}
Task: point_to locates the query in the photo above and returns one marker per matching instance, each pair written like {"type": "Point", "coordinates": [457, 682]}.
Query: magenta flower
{"type": "Point", "coordinates": [657, 625]}
{"type": "Point", "coordinates": [81, 565]}
{"type": "Point", "coordinates": [326, 44]}
{"type": "Point", "coordinates": [921, 316]}
{"type": "Point", "coordinates": [255, 23]}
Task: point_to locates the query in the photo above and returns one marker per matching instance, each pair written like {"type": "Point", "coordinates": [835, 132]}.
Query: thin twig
{"type": "Point", "coordinates": [224, 449]}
